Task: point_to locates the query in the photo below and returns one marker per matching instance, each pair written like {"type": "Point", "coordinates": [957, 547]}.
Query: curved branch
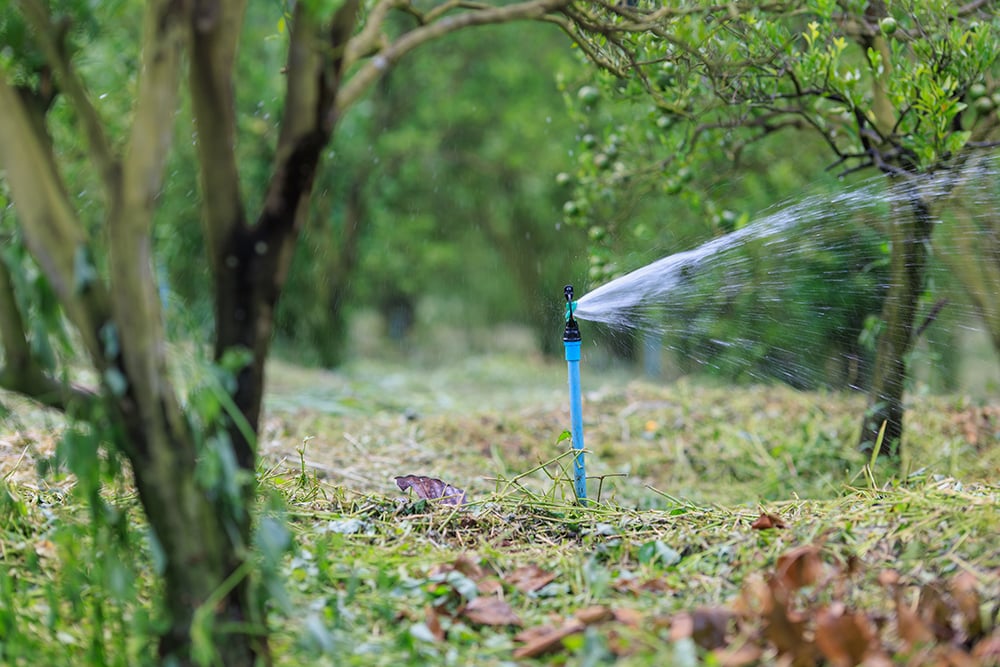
{"type": "Point", "coordinates": [372, 70]}
{"type": "Point", "coordinates": [367, 41]}
{"type": "Point", "coordinates": [52, 231]}
{"type": "Point", "coordinates": [50, 38]}
{"type": "Point", "coordinates": [20, 372]}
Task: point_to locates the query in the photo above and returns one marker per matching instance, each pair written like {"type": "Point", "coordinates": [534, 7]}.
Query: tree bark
{"type": "Point", "coordinates": [974, 259]}
{"type": "Point", "coordinates": [909, 233]}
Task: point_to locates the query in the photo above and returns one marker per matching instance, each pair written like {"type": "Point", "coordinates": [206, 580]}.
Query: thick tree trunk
{"type": "Point", "coordinates": [909, 233]}
{"type": "Point", "coordinates": [205, 569]}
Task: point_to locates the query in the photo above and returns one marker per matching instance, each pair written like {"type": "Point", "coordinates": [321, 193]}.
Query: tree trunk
{"type": "Point", "coordinates": [205, 569]}
{"type": "Point", "coordinates": [972, 254]}
{"type": "Point", "coordinates": [909, 233]}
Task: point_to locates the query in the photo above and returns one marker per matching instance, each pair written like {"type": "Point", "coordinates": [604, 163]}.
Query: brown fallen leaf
{"type": "Point", "coordinates": [766, 521]}
{"type": "Point", "coordinates": [755, 598]}
{"type": "Point", "coordinates": [710, 625]}
{"type": "Point", "coordinates": [888, 578]}
{"type": "Point", "coordinates": [433, 623]}
{"type": "Point", "coordinates": [844, 637]}
{"type": "Point", "coordinates": [786, 628]}
{"type": "Point", "coordinates": [963, 588]}
{"type": "Point", "coordinates": [987, 650]}
{"type": "Point", "coordinates": [468, 564]}
{"type": "Point", "coordinates": [746, 654]}
{"type": "Point", "coordinates": [548, 640]}
{"type": "Point", "coordinates": [629, 617]}
{"type": "Point", "coordinates": [635, 585]}
{"type": "Point", "coordinates": [909, 626]}
{"type": "Point", "coordinates": [935, 612]}
{"type": "Point", "coordinates": [799, 567]}
{"type": "Point", "coordinates": [431, 488]}
{"type": "Point", "coordinates": [594, 614]}
{"type": "Point", "coordinates": [490, 611]}
{"type": "Point", "coordinates": [530, 578]}
{"type": "Point", "coordinates": [489, 586]}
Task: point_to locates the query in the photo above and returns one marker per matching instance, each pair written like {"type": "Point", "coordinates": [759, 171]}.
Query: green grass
{"type": "Point", "coordinates": [378, 577]}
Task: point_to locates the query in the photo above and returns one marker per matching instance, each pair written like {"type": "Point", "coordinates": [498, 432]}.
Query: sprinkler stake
{"type": "Point", "coordinates": [571, 343]}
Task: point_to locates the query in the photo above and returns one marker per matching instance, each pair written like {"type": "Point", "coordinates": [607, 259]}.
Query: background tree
{"type": "Point", "coordinates": [451, 174]}
{"type": "Point", "coordinates": [193, 465]}
{"type": "Point", "coordinates": [893, 86]}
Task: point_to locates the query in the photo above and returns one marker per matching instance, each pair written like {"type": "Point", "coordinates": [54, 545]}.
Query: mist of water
{"type": "Point", "coordinates": [819, 238]}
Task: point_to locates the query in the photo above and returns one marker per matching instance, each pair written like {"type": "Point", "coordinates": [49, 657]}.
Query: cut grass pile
{"type": "Point", "coordinates": [673, 565]}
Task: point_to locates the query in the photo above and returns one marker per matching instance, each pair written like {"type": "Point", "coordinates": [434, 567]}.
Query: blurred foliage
{"type": "Point", "coordinates": [449, 178]}
{"type": "Point", "coordinates": [443, 188]}
{"type": "Point", "coordinates": [686, 139]}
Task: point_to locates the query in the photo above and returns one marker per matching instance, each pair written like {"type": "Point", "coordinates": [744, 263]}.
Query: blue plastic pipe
{"type": "Point", "coordinates": [571, 343]}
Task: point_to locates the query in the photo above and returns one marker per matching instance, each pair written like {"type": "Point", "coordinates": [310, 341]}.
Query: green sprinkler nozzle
{"type": "Point", "coordinates": [570, 303]}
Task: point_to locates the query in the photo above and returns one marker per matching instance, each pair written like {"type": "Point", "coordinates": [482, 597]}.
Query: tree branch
{"type": "Point", "coordinates": [215, 35]}
{"type": "Point", "coordinates": [50, 40]}
{"type": "Point", "coordinates": [20, 372]}
{"type": "Point", "coordinates": [152, 408]}
{"type": "Point", "coordinates": [315, 69]}
{"type": "Point", "coordinates": [366, 42]}
{"type": "Point", "coordinates": [372, 70]}
{"type": "Point", "coordinates": [52, 231]}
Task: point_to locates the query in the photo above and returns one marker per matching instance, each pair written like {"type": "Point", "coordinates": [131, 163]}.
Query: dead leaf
{"type": "Point", "coordinates": [490, 611]}
{"type": "Point", "coordinates": [888, 578]}
{"type": "Point", "coordinates": [635, 585]}
{"type": "Point", "coordinates": [988, 649]}
{"type": "Point", "coordinates": [710, 624]}
{"type": "Point", "coordinates": [755, 598]}
{"type": "Point", "coordinates": [530, 578]}
{"type": "Point", "coordinates": [747, 654]}
{"type": "Point", "coordinates": [785, 628]}
{"type": "Point", "coordinates": [799, 568]}
{"type": "Point", "coordinates": [909, 626]}
{"type": "Point", "coordinates": [489, 586]}
{"type": "Point", "coordinates": [431, 488]}
{"type": "Point", "coordinates": [629, 617]}
{"type": "Point", "coordinates": [963, 588]}
{"type": "Point", "coordinates": [844, 637]}
{"type": "Point", "coordinates": [594, 614]}
{"type": "Point", "coordinates": [545, 640]}
{"type": "Point", "coordinates": [433, 623]}
{"type": "Point", "coordinates": [766, 521]}
{"type": "Point", "coordinates": [935, 612]}
{"type": "Point", "coordinates": [468, 564]}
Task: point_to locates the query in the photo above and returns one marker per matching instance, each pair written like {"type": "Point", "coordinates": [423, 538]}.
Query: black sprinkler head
{"type": "Point", "coordinates": [571, 334]}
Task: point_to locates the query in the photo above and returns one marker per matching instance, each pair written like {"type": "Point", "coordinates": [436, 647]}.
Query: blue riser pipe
{"type": "Point", "coordinates": [576, 417]}
{"type": "Point", "coordinates": [571, 341]}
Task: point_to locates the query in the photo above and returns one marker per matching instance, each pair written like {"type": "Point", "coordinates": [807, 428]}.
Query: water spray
{"type": "Point", "coordinates": [571, 342]}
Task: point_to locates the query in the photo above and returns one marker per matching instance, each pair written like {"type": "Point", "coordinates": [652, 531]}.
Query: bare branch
{"type": "Point", "coordinates": [369, 39]}
{"type": "Point", "coordinates": [315, 68]}
{"type": "Point", "coordinates": [50, 40]}
{"type": "Point", "coordinates": [381, 63]}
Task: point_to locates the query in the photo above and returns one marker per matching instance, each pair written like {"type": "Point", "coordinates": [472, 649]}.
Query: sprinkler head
{"type": "Point", "coordinates": [571, 334]}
